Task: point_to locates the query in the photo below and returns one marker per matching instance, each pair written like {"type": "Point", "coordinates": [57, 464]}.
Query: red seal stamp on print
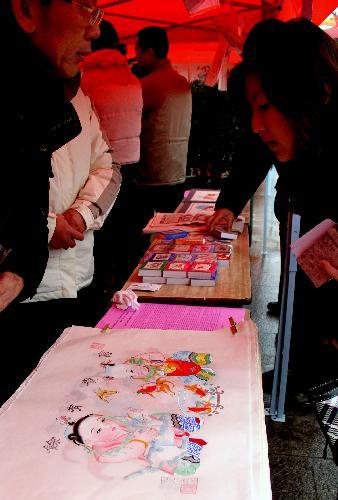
{"type": "Point", "coordinates": [189, 485]}
{"type": "Point", "coordinates": [97, 345]}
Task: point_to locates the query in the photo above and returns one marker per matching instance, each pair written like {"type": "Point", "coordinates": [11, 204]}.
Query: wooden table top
{"type": "Point", "coordinates": [233, 284]}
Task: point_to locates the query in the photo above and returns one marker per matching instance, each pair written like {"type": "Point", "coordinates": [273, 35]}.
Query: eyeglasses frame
{"type": "Point", "coordinates": [96, 14]}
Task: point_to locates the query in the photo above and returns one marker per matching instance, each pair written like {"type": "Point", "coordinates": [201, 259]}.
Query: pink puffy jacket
{"type": "Point", "coordinates": [117, 98]}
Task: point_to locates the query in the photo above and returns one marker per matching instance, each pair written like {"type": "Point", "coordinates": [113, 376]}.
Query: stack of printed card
{"type": "Point", "coordinates": [190, 240]}
{"type": "Point", "coordinates": [203, 274]}
{"type": "Point", "coordinates": [152, 271]}
{"type": "Point", "coordinates": [182, 248]}
{"type": "Point", "coordinates": [208, 248]}
{"type": "Point", "coordinates": [183, 257]}
{"type": "Point", "coordinates": [176, 273]}
{"type": "Point", "coordinates": [224, 251]}
{"type": "Point", "coordinates": [160, 247]}
{"type": "Point", "coordinates": [176, 263]}
{"type": "Point", "coordinates": [205, 257]}
{"type": "Point", "coordinates": [156, 257]}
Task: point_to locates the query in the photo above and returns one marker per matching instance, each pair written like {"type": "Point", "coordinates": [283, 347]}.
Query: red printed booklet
{"type": "Point", "coordinates": [203, 270]}
{"type": "Point", "coordinates": [176, 269]}
{"type": "Point", "coordinates": [152, 268]}
{"type": "Point", "coordinates": [176, 221]}
{"type": "Point", "coordinates": [182, 248]}
{"type": "Point", "coordinates": [209, 248]}
{"type": "Point", "coordinates": [205, 257]}
{"type": "Point", "coordinates": [223, 259]}
{"type": "Point", "coordinates": [190, 240]}
{"type": "Point", "coordinates": [162, 256]}
{"type": "Point", "coordinates": [221, 247]}
{"type": "Point", "coordinates": [160, 247]}
{"type": "Point", "coordinates": [183, 257]}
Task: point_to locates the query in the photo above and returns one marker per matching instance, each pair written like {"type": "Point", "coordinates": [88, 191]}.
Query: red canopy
{"type": "Point", "coordinates": [195, 38]}
{"type": "Point", "coordinates": [129, 16]}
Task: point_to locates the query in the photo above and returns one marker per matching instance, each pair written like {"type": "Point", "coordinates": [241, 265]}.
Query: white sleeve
{"type": "Point", "coordinates": [96, 198]}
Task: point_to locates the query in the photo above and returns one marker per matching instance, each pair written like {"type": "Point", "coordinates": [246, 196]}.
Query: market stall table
{"type": "Point", "coordinates": [233, 284]}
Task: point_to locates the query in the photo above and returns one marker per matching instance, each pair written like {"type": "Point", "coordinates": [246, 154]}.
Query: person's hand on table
{"type": "Point", "coordinates": [11, 284]}
{"type": "Point", "coordinates": [330, 269]}
{"type": "Point", "coordinates": [75, 219]}
{"type": "Point", "coordinates": [222, 216]}
{"type": "Point", "coordinates": [65, 235]}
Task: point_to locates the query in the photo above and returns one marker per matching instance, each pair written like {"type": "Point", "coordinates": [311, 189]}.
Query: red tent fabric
{"type": "Point", "coordinates": [319, 9]}
{"type": "Point", "coordinates": [195, 39]}
{"type": "Point", "coordinates": [129, 16]}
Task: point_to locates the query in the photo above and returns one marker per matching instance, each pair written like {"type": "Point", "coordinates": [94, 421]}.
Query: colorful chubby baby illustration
{"type": "Point", "coordinates": [160, 441]}
{"type": "Point", "coordinates": [184, 375]}
{"type": "Point", "coordinates": [191, 366]}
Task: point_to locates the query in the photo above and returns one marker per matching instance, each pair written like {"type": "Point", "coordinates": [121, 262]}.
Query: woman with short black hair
{"type": "Point", "coordinates": [287, 82]}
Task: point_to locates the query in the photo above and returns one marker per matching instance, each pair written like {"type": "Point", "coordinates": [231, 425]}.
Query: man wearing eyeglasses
{"type": "Point", "coordinates": [42, 42]}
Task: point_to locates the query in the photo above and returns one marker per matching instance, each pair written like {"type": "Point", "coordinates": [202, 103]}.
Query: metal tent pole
{"type": "Point", "coordinates": [267, 201]}
{"type": "Point", "coordinates": [277, 403]}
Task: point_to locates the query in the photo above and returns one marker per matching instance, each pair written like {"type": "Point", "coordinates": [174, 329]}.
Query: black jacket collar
{"type": "Point", "coordinates": [33, 93]}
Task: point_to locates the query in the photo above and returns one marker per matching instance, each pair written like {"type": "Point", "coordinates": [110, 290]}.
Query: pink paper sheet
{"type": "Point", "coordinates": [172, 317]}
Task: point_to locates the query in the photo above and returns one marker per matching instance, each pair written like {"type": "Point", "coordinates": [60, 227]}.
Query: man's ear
{"type": "Point", "coordinates": [151, 54]}
{"type": "Point", "coordinates": [24, 14]}
{"type": "Point", "coordinates": [149, 57]}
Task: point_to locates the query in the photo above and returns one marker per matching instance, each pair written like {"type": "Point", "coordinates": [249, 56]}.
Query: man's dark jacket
{"type": "Point", "coordinates": [36, 120]}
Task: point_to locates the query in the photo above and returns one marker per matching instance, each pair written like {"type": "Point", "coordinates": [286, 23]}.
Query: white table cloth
{"type": "Point", "coordinates": [136, 414]}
